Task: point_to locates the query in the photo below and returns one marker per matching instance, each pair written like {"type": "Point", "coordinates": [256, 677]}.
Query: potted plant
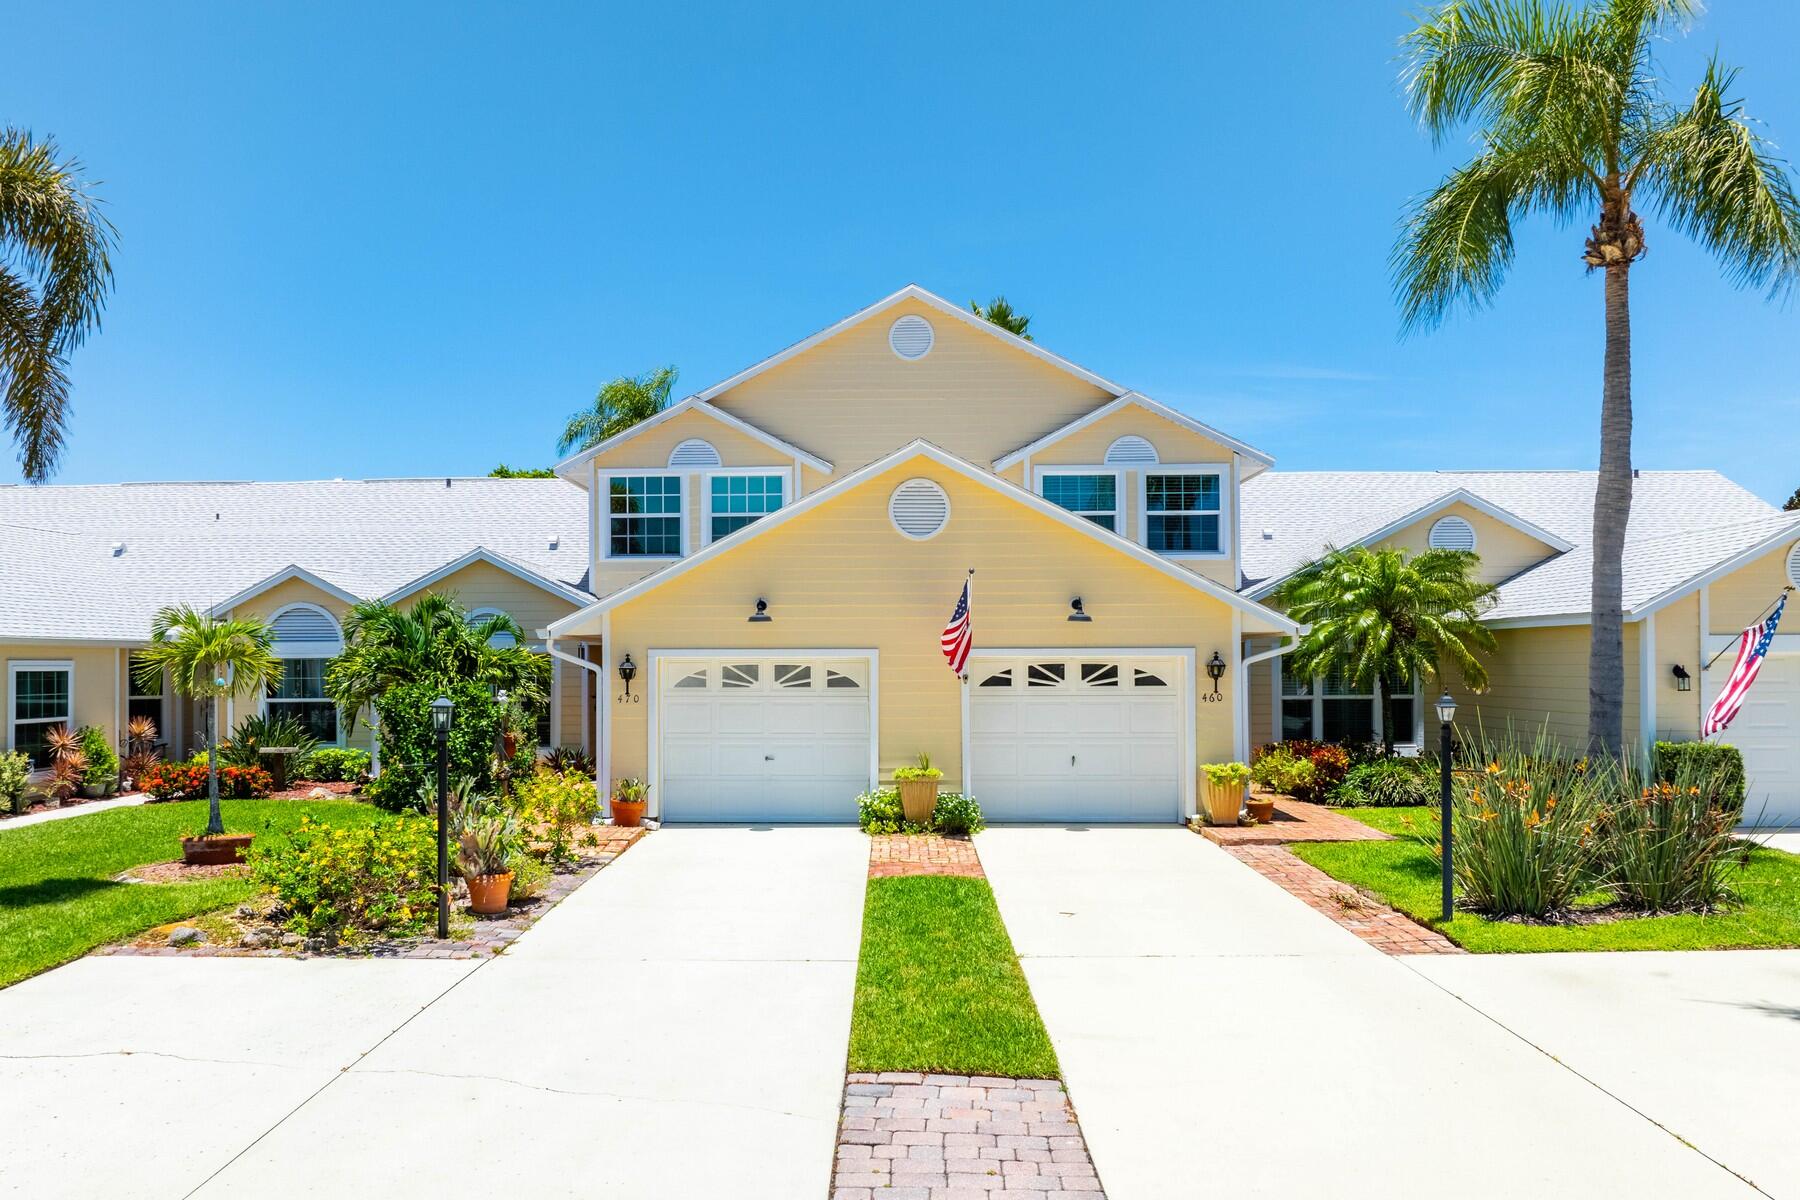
{"type": "Point", "coordinates": [918, 787]}
{"type": "Point", "coordinates": [102, 773]}
{"type": "Point", "coordinates": [1224, 791]}
{"type": "Point", "coordinates": [484, 850]}
{"type": "Point", "coordinates": [629, 798]}
{"type": "Point", "coordinates": [205, 849]}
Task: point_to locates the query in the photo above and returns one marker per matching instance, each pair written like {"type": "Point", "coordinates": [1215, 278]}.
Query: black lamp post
{"type": "Point", "coordinates": [441, 708]}
{"type": "Point", "coordinates": [1446, 711]}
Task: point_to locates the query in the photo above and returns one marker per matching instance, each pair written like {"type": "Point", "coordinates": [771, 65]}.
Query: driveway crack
{"type": "Point", "coordinates": [586, 1092]}
{"type": "Point", "coordinates": [186, 1058]}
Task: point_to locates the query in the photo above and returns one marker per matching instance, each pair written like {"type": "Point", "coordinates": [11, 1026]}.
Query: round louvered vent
{"type": "Point", "coordinates": [1452, 533]}
{"type": "Point", "coordinates": [911, 337]}
{"type": "Point", "coordinates": [1130, 450]}
{"type": "Point", "coordinates": [919, 509]}
{"type": "Point", "coordinates": [1794, 565]}
{"type": "Point", "coordinates": [695, 452]}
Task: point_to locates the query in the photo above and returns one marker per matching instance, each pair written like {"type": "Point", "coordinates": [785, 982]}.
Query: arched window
{"type": "Point", "coordinates": [306, 638]}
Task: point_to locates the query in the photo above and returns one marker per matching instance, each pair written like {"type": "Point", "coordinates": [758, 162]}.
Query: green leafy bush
{"type": "Point", "coordinates": [923, 771]}
{"type": "Point", "coordinates": [188, 781]}
{"type": "Point", "coordinates": [346, 883]}
{"type": "Point", "coordinates": [558, 804]}
{"type": "Point", "coordinates": [15, 773]}
{"type": "Point", "coordinates": [332, 764]}
{"type": "Point", "coordinates": [1387, 783]}
{"type": "Point", "coordinates": [409, 747]}
{"type": "Point", "coordinates": [879, 811]}
{"type": "Point", "coordinates": [102, 760]}
{"type": "Point", "coordinates": [1279, 769]}
{"type": "Point", "coordinates": [1722, 764]}
{"type": "Point", "coordinates": [529, 875]}
{"type": "Point", "coordinates": [957, 814]}
{"type": "Point", "coordinates": [245, 746]}
{"type": "Point", "coordinates": [1226, 774]}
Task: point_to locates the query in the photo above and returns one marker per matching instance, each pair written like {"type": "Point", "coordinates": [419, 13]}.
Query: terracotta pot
{"type": "Point", "coordinates": [487, 893]}
{"type": "Point", "coordinates": [918, 799]}
{"type": "Point", "coordinates": [1262, 808]}
{"type": "Point", "coordinates": [509, 743]}
{"type": "Point", "coordinates": [1222, 801]}
{"type": "Point", "coordinates": [215, 851]}
{"type": "Point", "coordinates": [628, 816]}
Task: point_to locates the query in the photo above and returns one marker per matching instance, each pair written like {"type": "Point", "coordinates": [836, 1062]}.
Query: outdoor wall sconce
{"type": "Point", "coordinates": [1077, 613]}
{"type": "Point", "coordinates": [762, 611]}
{"type": "Point", "coordinates": [1215, 670]}
{"type": "Point", "coordinates": [627, 672]}
{"type": "Point", "coordinates": [1683, 681]}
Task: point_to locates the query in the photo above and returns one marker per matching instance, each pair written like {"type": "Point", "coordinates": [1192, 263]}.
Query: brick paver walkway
{"type": "Point", "coordinates": [1295, 821]}
{"type": "Point", "coordinates": [922, 854]}
{"type": "Point", "coordinates": [1374, 922]}
{"type": "Point", "coordinates": [908, 1136]}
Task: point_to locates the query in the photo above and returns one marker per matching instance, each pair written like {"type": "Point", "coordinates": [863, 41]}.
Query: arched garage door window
{"type": "Point", "coordinates": [306, 638]}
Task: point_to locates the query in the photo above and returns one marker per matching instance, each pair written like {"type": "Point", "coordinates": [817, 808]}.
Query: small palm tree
{"type": "Point", "coordinates": [54, 276]}
{"type": "Point", "coordinates": [1572, 122]}
{"type": "Point", "coordinates": [998, 312]}
{"type": "Point", "coordinates": [209, 658]}
{"type": "Point", "coordinates": [1380, 617]}
{"type": "Point", "coordinates": [618, 406]}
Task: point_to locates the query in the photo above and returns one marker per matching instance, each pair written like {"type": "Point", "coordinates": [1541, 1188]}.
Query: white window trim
{"type": "Point", "coordinates": [603, 503]}
{"type": "Point", "coordinates": [65, 665]}
{"type": "Point", "coordinates": [278, 648]}
{"type": "Point", "coordinates": [1413, 741]}
{"type": "Point", "coordinates": [162, 702]}
{"type": "Point", "coordinates": [785, 474]}
{"type": "Point", "coordinates": [1118, 475]}
{"type": "Point", "coordinates": [1227, 481]}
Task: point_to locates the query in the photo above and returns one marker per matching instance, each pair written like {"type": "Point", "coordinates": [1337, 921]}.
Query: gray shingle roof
{"type": "Point", "coordinates": [201, 543]}
{"type": "Point", "coordinates": [1682, 523]}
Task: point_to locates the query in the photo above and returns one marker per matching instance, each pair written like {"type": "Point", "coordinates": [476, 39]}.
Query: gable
{"type": "Point", "coordinates": [481, 584]}
{"type": "Point", "coordinates": [652, 446]}
{"type": "Point", "coordinates": [1504, 549]}
{"type": "Point", "coordinates": [1172, 443]}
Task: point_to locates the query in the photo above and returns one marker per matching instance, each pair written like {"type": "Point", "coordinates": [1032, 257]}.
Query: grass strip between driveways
{"type": "Point", "coordinates": [938, 987]}
{"type": "Point", "coordinates": [58, 897]}
{"type": "Point", "coordinates": [1405, 874]}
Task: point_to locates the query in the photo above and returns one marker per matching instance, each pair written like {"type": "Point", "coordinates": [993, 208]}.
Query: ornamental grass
{"type": "Point", "coordinates": [1670, 846]}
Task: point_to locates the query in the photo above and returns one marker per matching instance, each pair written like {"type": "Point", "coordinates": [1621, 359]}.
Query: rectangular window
{"type": "Point", "coordinates": [42, 699]}
{"type": "Point", "coordinates": [145, 701]}
{"type": "Point", "coordinates": [1095, 497]}
{"type": "Point", "coordinates": [301, 695]}
{"type": "Point", "coordinates": [1296, 704]}
{"type": "Point", "coordinates": [1333, 709]}
{"type": "Point", "coordinates": [1182, 513]}
{"type": "Point", "coordinates": [644, 516]}
{"type": "Point", "coordinates": [737, 500]}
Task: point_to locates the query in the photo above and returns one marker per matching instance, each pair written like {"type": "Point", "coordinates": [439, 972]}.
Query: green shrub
{"type": "Point", "coordinates": [558, 803]}
{"type": "Point", "coordinates": [332, 764]}
{"type": "Point", "coordinates": [102, 760]}
{"type": "Point", "coordinates": [244, 748]}
{"type": "Point", "coordinates": [15, 773]}
{"type": "Point", "coordinates": [924, 770]}
{"type": "Point", "coordinates": [1279, 769]}
{"type": "Point", "coordinates": [1669, 847]}
{"type": "Point", "coordinates": [879, 811]}
{"type": "Point", "coordinates": [409, 748]}
{"type": "Point", "coordinates": [529, 875]}
{"type": "Point", "coordinates": [1722, 764]}
{"type": "Point", "coordinates": [351, 882]}
{"type": "Point", "coordinates": [957, 814]}
{"type": "Point", "coordinates": [1387, 783]}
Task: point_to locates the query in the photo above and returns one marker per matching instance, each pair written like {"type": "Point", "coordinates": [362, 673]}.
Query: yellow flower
{"type": "Point", "coordinates": [1493, 768]}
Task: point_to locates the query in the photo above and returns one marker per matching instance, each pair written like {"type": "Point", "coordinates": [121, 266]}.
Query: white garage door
{"type": "Point", "coordinates": [1077, 739]}
{"type": "Point", "coordinates": [773, 739]}
{"type": "Point", "coordinates": [1767, 730]}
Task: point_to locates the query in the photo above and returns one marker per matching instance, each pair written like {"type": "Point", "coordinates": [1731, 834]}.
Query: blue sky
{"type": "Point", "coordinates": [410, 239]}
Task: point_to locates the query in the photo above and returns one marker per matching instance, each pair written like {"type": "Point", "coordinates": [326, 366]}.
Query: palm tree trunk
{"type": "Point", "coordinates": [1386, 717]}
{"type": "Point", "coordinates": [215, 820]}
{"type": "Point", "coordinates": [1612, 510]}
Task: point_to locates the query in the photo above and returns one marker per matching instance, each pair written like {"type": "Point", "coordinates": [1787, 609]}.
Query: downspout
{"type": "Point", "coordinates": [1292, 640]}
{"type": "Point", "coordinates": [601, 765]}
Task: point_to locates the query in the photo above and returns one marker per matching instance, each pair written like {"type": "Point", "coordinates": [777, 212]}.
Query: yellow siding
{"type": "Point", "coordinates": [1739, 600]}
{"type": "Point", "coordinates": [264, 606]}
{"type": "Point", "coordinates": [1677, 641]}
{"type": "Point", "coordinates": [851, 399]}
{"type": "Point", "coordinates": [841, 577]}
{"type": "Point", "coordinates": [652, 447]}
{"type": "Point", "coordinates": [1504, 551]}
{"type": "Point", "coordinates": [1174, 443]}
{"type": "Point", "coordinates": [1539, 678]}
{"type": "Point", "coordinates": [98, 684]}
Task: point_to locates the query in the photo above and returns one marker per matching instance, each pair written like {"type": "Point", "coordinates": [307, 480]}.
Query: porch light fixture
{"type": "Point", "coordinates": [1215, 670]}
{"type": "Point", "coordinates": [1683, 681]}
{"type": "Point", "coordinates": [1446, 711]}
{"type": "Point", "coordinates": [762, 611]}
{"type": "Point", "coordinates": [1076, 612]}
{"type": "Point", "coordinates": [628, 672]}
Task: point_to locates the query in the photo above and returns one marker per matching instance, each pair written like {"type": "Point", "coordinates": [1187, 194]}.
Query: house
{"type": "Point", "coordinates": [744, 594]}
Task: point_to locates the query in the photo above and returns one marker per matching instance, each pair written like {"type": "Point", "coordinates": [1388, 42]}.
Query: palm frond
{"type": "Point", "coordinates": [619, 404]}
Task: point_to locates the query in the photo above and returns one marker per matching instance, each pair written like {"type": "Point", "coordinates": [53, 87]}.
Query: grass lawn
{"type": "Point", "coordinates": [938, 987]}
{"type": "Point", "coordinates": [58, 898]}
{"type": "Point", "coordinates": [1405, 874]}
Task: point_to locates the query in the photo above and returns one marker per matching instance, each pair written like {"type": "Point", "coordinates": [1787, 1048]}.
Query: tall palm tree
{"type": "Point", "coordinates": [54, 276]}
{"type": "Point", "coordinates": [385, 646]}
{"type": "Point", "coordinates": [1571, 121]}
{"type": "Point", "coordinates": [998, 312]}
{"type": "Point", "coordinates": [620, 404]}
{"type": "Point", "coordinates": [208, 658]}
{"type": "Point", "coordinates": [1380, 617]}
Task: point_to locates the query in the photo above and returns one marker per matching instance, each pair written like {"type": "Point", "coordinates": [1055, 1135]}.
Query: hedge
{"type": "Point", "coordinates": [1672, 760]}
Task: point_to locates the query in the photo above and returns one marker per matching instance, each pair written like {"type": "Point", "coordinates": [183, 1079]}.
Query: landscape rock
{"type": "Point", "coordinates": [187, 935]}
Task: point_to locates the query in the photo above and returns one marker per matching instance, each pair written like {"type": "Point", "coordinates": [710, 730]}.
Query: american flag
{"type": "Point", "coordinates": [1753, 647]}
{"type": "Point", "coordinates": [958, 635]}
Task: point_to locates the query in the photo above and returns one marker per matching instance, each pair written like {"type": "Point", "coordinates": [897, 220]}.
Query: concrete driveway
{"type": "Point", "coordinates": [676, 1027]}
{"type": "Point", "coordinates": [1219, 1038]}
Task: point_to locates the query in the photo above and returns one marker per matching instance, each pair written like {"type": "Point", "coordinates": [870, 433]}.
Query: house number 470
{"type": "Point", "coordinates": [622, 698]}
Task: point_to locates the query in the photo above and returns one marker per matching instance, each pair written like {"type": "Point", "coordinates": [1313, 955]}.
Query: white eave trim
{"type": "Point", "coordinates": [1154, 407]}
{"type": "Point", "coordinates": [566, 469]}
{"type": "Point", "coordinates": [1785, 533]}
{"type": "Point", "coordinates": [500, 561]}
{"type": "Point", "coordinates": [913, 291]}
{"type": "Point", "coordinates": [280, 577]}
{"type": "Point", "coordinates": [920, 448]}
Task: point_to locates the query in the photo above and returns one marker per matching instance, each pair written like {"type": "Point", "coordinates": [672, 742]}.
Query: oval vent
{"type": "Point", "coordinates": [911, 337]}
{"type": "Point", "coordinates": [695, 452]}
{"type": "Point", "coordinates": [1130, 450]}
{"type": "Point", "coordinates": [1452, 533]}
{"type": "Point", "coordinates": [919, 509]}
{"type": "Point", "coordinates": [1794, 565]}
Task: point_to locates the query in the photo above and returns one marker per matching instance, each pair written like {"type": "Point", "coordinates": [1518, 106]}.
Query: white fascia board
{"type": "Point", "coordinates": [281, 577]}
{"type": "Point", "coordinates": [1720, 570]}
{"type": "Point", "coordinates": [568, 467]}
{"type": "Point", "coordinates": [500, 561]}
{"type": "Point", "coordinates": [1541, 622]}
{"type": "Point", "coordinates": [1154, 407]}
{"type": "Point", "coordinates": [920, 448]}
{"type": "Point", "coordinates": [913, 291]}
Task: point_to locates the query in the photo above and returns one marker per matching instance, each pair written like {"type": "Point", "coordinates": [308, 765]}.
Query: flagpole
{"type": "Point", "coordinates": [1765, 612]}
{"type": "Point", "coordinates": [971, 587]}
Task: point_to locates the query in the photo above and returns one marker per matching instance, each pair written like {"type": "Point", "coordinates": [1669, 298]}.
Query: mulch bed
{"type": "Point", "coordinates": [304, 790]}
{"type": "Point", "coordinates": [178, 872]}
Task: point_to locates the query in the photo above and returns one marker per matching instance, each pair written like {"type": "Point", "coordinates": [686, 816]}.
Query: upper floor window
{"type": "Point", "coordinates": [735, 501]}
{"type": "Point", "coordinates": [643, 516]}
{"type": "Point", "coordinates": [1094, 496]}
{"type": "Point", "coordinates": [1183, 512]}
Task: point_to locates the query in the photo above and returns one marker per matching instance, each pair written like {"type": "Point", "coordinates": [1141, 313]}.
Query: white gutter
{"type": "Point", "coordinates": [1242, 721]}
